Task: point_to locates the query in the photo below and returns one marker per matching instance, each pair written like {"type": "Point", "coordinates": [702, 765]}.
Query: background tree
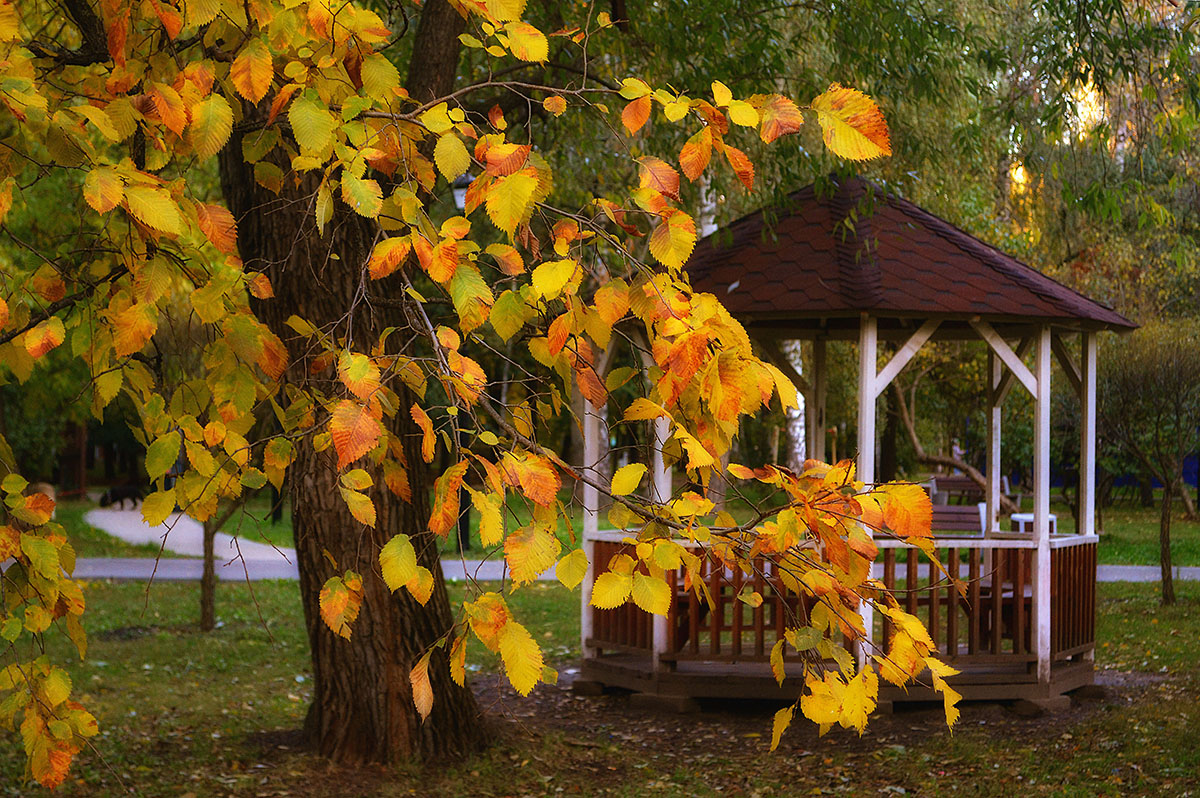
{"type": "Point", "coordinates": [1150, 406]}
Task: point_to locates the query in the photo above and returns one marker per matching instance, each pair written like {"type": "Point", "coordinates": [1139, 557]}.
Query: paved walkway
{"type": "Point", "coordinates": [240, 559]}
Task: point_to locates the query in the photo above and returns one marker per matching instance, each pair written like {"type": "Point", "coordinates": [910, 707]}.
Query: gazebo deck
{"type": "Point", "coordinates": [983, 631]}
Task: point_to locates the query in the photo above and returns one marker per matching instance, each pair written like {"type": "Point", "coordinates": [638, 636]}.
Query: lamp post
{"type": "Point", "coordinates": [459, 189]}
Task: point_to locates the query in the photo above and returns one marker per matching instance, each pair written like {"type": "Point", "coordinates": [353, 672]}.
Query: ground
{"type": "Point", "coordinates": [185, 713]}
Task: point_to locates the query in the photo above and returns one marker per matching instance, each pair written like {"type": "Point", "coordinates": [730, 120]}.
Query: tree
{"type": "Point", "coordinates": [1150, 407]}
{"type": "Point", "coordinates": [338, 293]}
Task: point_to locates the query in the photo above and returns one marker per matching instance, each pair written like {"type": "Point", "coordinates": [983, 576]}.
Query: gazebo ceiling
{"type": "Point", "coordinates": [848, 248]}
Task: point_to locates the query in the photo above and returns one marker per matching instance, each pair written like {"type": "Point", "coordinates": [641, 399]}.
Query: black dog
{"type": "Point", "coordinates": [118, 494]}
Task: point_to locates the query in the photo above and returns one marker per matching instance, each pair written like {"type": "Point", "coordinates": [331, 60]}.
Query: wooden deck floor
{"type": "Point", "coordinates": [752, 680]}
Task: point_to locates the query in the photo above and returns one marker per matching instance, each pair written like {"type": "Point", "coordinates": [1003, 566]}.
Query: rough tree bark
{"type": "Point", "coordinates": [1164, 543]}
{"type": "Point", "coordinates": [362, 708]}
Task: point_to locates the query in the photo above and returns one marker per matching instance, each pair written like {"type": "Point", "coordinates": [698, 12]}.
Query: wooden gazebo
{"type": "Point", "coordinates": [845, 260]}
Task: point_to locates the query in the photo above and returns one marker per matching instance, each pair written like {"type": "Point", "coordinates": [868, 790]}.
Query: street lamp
{"type": "Point", "coordinates": [459, 189]}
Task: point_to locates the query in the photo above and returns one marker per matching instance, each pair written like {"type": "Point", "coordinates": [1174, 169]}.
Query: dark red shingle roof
{"type": "Point", "coordinates": [853, 248]}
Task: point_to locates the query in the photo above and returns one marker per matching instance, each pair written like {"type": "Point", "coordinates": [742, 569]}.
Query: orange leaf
{"type": "Point", "coordinates": [533, 475]}
{"type": "Point", "coordinates": [506, 158]}
{"type": "Point", "coordinates": [252, 71]}
{"type": "Point", "coordinates": [636, 114]}
{"type": "Point", "coordinates": [742, 166]}
{"type": "Point", "coordinates": [555, 104]}
{"type": "Point", "coordinates": [658, 175]}
{"type": "Point", "coordinates": [358, 373]}
{"type": "Point", "coordinates": [218, 226]}
{"type": "Point", "coordinates": [260, 286]}
{"type": "Point", "coordinates": [388, 255]}
{"type": "Point", "coordinates": [44, 337]}
{"type": "Point", "coordinates": [169, 106]}
{"type": "Point", "coordinates": [907, 510]}
{"type": "Point", "coordinates": [132, 327]}
{"type": "Point", "coordinates": [612, 301]}
{"type": "Point", "coordinates": [340, 600]}
{"type": "Point", "coordinates": [273, 358]}
{"type": "Point", "coordinates": [395, 476]}
{"type": "Point", "coordinates": [696, 153]}
{"type": "Point", "coordinates": [507, 258]}
{"type": "Point", "coordinates": [780, 116]}
{"type": "Point", "coordinates": [488, 616]}
{"type": "Point", "coordinates": [444, 515]}
{"type": "Point", "coordinates": [354, 431]}
{"type": "Point", "coordinates": [422, 689]}
{"type": "Point", "coordinates": [426, 425]}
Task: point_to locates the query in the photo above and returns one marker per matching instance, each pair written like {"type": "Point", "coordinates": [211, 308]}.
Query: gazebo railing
{"type": "Point", "coordinates": [989, 624]}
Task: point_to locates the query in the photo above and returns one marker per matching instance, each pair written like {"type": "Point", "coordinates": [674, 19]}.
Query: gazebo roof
{"type": "Point", "coordinates": [850, 247]}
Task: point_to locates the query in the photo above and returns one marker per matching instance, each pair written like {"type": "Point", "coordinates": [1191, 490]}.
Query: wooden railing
{"type": "Point", "coordinates": [988, 624]}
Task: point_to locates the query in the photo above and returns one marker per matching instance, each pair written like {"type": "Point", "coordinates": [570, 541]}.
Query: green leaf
{"type": "Point", "coordinates": [162, 454]}
{"type": "Point", "coordinates": [509, 314]}
{"type": "Point", "coordinates": [42, 554]}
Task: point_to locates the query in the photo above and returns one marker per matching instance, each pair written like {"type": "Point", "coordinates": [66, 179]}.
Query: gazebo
{"type": "Point", "coordinates": [846, 260]}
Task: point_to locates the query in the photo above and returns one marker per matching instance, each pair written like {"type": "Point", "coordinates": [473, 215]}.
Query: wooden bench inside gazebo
{"type": "Point", "coordinates": [848, 261]}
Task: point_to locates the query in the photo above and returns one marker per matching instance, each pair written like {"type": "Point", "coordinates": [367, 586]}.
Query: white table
{"type": "Point", "coordinates": [1023, 522]}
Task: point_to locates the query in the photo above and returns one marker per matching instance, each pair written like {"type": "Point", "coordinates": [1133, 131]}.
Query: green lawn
{"type": "Point", "coordinates": [185, 713]}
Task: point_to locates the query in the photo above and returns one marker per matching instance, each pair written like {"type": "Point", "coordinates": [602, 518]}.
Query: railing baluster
{"type": "Point", "coordinates": [975, 608]}
{"type": "Point", "coordinates": [998, 559]}
{"type": "Point", "coordinates": [952, 601]}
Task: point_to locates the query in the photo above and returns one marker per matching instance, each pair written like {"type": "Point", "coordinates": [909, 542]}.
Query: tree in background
{"type": "Point", "coordinates": [338, 292]}
{"type": "Point", "coordinates": [1149, 389]}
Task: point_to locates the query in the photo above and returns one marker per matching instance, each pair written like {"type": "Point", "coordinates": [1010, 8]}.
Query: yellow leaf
{"type": "Point", "coordinates": [527, 42]}
{"type": "Point", "coordinates": [572, 568]}
{"type": "Point", "coordinates": [421, 585]}
{"type": "Point", "coordinates": [673, 239]}
{"type": "Point", "coordinates": [852, 124]}
{"type": "Point", "coordinates": [510, 199]}
{"type": "Point", "coordinates": [157, 506]}
{"type": "Point", "coordinates": [611, 590]}
{"type": "Point", "coordinates": [627, 478]}
{"type": "Point", "coordinates": [252, 71]}
{"type": "Point", "coordinates": [354, 431]}
{"type": "Point", "coordinates": [360, 506]}
{"type": "Point", "coordinates": [103, 189]}
{"type": "Point", "coordinates": [633, 88]}
{"type": "Point", "coordinates": [458, 661]}
{"type": "Point", "coordinates": [312, 125]}
{"type": "Point", "coordinates": [504, 10]}
{"type": "Point", "coordinates": [398, 561]}
{"type": "Point", "coordinates": [530, 551]}
{"type": "Point", "coordinates": [822, 703]}
{"type": "Point", "coordinates": [212, 123]}
{"type": "Point", "coordinates": [422, 689]}
{"type": "Point", "coordinates": [722, 96]}
{"type": "Point", "coordinates": [743, 113]}
{"type": "Point", "coordinates": [154, 208]}
{"type": "Point", "coordinates": [777, 669]}
{"type": "Point", "coordinates": [362, 194]}
{"type": "Point", "coordinates": [858, 701]}
{"type": "Point", "coordinates": [551, 277]}
{"type": "Point", "coordinates": [491, 521]}
{"type": "Point", "coordinates": [451, 156]}
{"type": "Point", "coordinates": [651, 593]}
{"type": "Point", "coordinates": [522, 658]}
{"type": "Point", "coordinates": [783, 719]}
{"type": "Point", "coordinates": [380, 78]}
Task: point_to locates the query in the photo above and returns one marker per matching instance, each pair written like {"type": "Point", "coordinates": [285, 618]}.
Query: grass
{"type": "Point", "coordinates": [185, 713]}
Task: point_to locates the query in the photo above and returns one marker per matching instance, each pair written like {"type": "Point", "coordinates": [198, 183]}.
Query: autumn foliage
{"type": "Point", "coordinates": [132, 110]}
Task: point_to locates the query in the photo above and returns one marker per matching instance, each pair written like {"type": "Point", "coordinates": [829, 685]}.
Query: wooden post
{"type": "Point", "coordinates": [817, 409]}
{"type": "Point", "coordinates": [591, 520]}
{"type": "Point", "coordinates": [868, 340]}
{"type": "Point", "coordinates": [1041, 507]}
{"type": "Point", "coordinates": [661, 473]}
{"type": "Point", "coordinates": [1087, 443]}
{"type": "Point", "coordinates": [996, 416]}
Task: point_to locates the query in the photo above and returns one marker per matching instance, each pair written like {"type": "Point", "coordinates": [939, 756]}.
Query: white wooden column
{"type": "Point", "coordinates": [815, 410]}
{"type": "Point", "coordinates": [868, 343]}
{"type": "Point", "coordinates": [660, 473]}
{"type": "Point", "coordinates": [995, 421]}
{"type": "Point", "coordinates": [1041, 507]}
{"type": "Point", "coordinates": [868, 346]}
{"type": "Point", "coordinates": [591, 520]}
{"type": "Point", "coordinates": [1087, 443]}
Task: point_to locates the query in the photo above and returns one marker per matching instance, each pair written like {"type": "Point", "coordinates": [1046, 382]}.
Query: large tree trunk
{"type": "Point", "coordinates": [1164, 546]}
{"type": "Point", "coordinates": [362, 708]}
